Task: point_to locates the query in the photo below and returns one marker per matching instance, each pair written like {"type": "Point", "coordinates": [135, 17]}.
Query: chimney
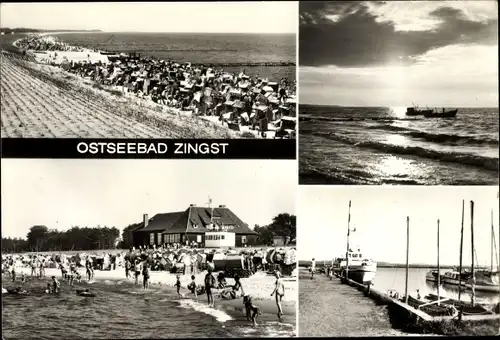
{"type": "Point", "coordinates": [222, 206]}
{"type": "Point", "coordinates": [145, 220]}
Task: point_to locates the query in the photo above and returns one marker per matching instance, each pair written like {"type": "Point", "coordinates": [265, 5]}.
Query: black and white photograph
{"type": "Point", "coordinates": [398, 92]}
{"type": "Point", "coordinates": [398, 261]}
{"type": "Point", "coordinates": [222, 70]}
{"type": "Point", "coordinates": [135, 249]}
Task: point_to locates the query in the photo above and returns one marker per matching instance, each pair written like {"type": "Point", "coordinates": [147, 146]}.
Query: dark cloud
{"type": "Point", "coordinates": [355, 38]}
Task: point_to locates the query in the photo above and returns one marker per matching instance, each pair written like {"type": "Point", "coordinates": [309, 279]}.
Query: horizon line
{"type": "Point", "coordinates": [98, 30]}
{"type": "Point", "coordinates": [389, 106]}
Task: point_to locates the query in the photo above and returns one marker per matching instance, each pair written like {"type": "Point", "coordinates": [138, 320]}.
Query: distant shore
{"type": "Point", "coordinates": [385, 265]}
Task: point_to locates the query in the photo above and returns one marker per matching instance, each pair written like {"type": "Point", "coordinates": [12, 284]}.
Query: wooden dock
{"type": "Point", "coordinates": [416, 318]}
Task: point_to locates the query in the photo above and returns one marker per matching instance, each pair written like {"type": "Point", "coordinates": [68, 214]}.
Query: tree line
{"type": "Point", "coordinates": [41, 238]}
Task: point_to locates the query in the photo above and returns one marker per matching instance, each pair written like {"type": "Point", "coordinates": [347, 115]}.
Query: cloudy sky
{"type": "Point", "coordinates": [223, 17]}
{"type": "Point", "coordinates": [435, 53]}
{"type": "Point", "coordinates": [379, 216]}
{"type": "Point", "coordinates": [62, 193]}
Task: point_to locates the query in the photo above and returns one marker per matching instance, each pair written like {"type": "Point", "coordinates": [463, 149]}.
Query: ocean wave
{"type": "Point", "coordinates": [438, 137]}
{"type": "Point", "coordinates": [219, 315]}
{"type": "Point", "coordinates": [461, 158]}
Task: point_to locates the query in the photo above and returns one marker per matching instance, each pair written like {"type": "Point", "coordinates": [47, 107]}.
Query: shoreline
{"type": "Point", "coordinates": [259, 286]}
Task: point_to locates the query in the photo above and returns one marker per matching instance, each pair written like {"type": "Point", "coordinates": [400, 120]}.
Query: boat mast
{"type": "Point", "coordinates": [348, 234]}
{"type": "Point", "coordinates": [439, 268]}
{"type": "Point", "coordinates": [473, 277]}
{"type": "Point", "coordinates": [407, 254]}
{"type": "Point", "coordinates": [461, 251]}
{"type": "Point", "coordinates": [491, 243]}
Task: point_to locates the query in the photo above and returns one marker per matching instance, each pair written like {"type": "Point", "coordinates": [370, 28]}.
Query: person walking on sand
{"type": "Point", "coordinates": [137, 271]}
{"type": "Point", "coordinates": [313, 268]}
{"type": "Point", "coordinates": [209, 285]}
{"type": "Point", "coordinates": [279, 290]}
{"type": "Point", "coordinates": [127, 268]}
{"type": "Point", "coordinates": [145, 275]}
{"type": "Point", "coordinates": [178, 285]}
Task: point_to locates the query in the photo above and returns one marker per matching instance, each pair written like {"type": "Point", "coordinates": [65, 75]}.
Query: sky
{"type": "Point", "coordinates": [379, 215]}
{"type": "Point", "coordinates": [63, 193]}
{"type": "Point", "coordinates": [435, 53]}
{"type": "Point", "coordinates": [211, 17]}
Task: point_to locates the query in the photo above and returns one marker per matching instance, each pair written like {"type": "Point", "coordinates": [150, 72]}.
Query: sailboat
{"type": "Point", "coordinates": [354, 266]}
{"type": "Point", "coordinates": [487, 280]}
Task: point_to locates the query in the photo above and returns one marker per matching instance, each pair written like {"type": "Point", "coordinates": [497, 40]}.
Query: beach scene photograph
{"type": "Point", "coordinates": [398, 92]}
{"type": "Point", "coordinates": [399, 261]}
{"type": "Point", "coordinates": [134, 249]}
{"type": "Point", "coordinates": [148, 70]}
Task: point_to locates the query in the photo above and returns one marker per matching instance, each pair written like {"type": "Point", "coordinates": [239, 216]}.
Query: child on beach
{"type": "Point", "coordinates": [279, 290]}
{"type": "Point", "coordinates": [313, 268]}
{"type": "Point", "coordinates": [145, 275]}
{"type": "Point", "coordinates": [127, 268]}
{"type": "Point", "coordinates": [23, 278]}
{"type": "Point", "coordinates": [56, 285]}
{"type": "Point", "coordinates": [49, 289]}
{"type": "Point", "coordinates": [137, 271]}
{"type": "Point", "coordinates": [13, 272]}
{"type": "Point", "coordinates": [192, 286]}
{"type": "Point", "coordinates": [178, 285]}
{"type": "Point", "coordinates": [209, 285]}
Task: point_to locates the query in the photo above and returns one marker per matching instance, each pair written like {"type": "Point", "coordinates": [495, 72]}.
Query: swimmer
{"type": "Point", "coordinates": [23, 278]}
{"type": "Point", "coordinates": [18, 291]}
{"type": "Point", "coordinates": [84, 292]}
{"type": "Point", "coordinates": [178, 285]}
{"type": "Point", "coordinates": [49, 289]}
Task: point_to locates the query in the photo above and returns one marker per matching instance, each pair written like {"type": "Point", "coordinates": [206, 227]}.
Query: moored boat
{"type": "Point", "coordinates": [361, 270]}
{"type": "Point", "coordinates": [466, 307]}
{"type": "Point", "coordinates": [431, 309]}
{"type": "Point", "coordinates": [455, 278]}
{"type": "Point", "coordinates": [486, 281]}
{"type": "Point", "coordinates": [432, 276]}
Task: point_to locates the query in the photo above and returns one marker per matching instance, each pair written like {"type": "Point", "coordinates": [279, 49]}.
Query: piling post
{"type": "Point", "coordinates": [407, 256]}
{"type": "Point", "coordinates": [439, 268]}
{"type": "Point", "coordinates": [473, 285]}
{"type": "Point", "coordinates": [461, 252]}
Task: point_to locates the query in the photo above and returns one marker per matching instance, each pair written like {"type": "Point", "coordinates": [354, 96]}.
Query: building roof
{"type": "Point", "coordinates": [160, 222]}
{"type": "Point", "coordinates": [195, 220]}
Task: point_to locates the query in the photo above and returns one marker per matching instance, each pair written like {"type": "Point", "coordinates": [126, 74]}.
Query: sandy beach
{"type": "Point", "coordinates": [45, 101]}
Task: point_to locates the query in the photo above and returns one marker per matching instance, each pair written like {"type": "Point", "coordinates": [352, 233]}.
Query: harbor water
{"type": "Point", "coordinates": [394, 278]}
{"type": "Point", "coordinates": [349, 145]}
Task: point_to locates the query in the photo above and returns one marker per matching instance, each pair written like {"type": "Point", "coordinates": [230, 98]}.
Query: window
{"type": "Point", "coordinates": [243, 239]}
{"type": "Point", "coordinates": [151, 238]}
{"type": "Point", "coordinates": [198, 238]}
{"type": "Point", "coordinates": [172, 238]}
{"type": "Point", "coordinates": [223, 237]}
{"type": "Point", "coordinates": [158, 237]}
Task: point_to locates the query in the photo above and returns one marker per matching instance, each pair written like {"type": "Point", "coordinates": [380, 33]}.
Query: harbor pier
{"type": "Point", "coordinates": [409, 319]}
